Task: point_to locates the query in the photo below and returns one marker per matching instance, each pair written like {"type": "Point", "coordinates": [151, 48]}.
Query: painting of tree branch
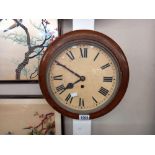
{"type": "Point", "coordinates": [28, 117]}
{"type": "Point", "coordinates": [22, 44]}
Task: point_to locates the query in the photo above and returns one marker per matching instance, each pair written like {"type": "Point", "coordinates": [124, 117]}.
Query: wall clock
{"type": "Point", "coordinates": [83, 72]}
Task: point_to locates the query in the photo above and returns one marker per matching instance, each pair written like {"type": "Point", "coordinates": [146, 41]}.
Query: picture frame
{"type": "Point", "coordinates": [44, 24]}
{"type": "Point", "coordinates": [29, 116]}
{"type": "Point", "coordinates": [14, 85]}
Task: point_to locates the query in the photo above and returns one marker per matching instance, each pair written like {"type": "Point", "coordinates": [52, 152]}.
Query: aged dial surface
{"type": "Point", "coordinates": [83, 78]}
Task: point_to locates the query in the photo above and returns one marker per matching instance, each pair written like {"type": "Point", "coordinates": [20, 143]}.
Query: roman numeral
{"type": "Point", "coordinates": [105, 66]}
{"type": "Point", "coordinates": [70, 55]}
{"type": "Point", "coordinates": [107, 79]}
{"type": "Point", "coordinates": [60, 89]}
{"type": "Point", "coordinates": [84, 52]}
{"type": "Point", "coordinates": [69, 98]}
{"type": "Point", "coordinates": [103, 91]}
{"type": "Point", "coordinates": [94, 99]}
{"type": "Point", "coordinates": [81, 102]}
{"type": "Point", "coordinates": [58, 77]}
{"type": "Point", "coordinates": [96, 56]}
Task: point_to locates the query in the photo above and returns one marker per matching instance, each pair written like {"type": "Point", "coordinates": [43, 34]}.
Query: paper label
{"type": "Point", "coordinates": [84, 117]}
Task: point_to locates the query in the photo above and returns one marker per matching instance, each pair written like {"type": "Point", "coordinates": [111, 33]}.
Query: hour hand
{"type": "Point", "coordinates": [61, 88]}
{"type": "Point", "coordinates": [71, 85]}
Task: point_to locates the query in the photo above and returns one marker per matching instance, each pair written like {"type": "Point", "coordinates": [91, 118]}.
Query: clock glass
{"type": "Point", "coordinates": [83, 77]}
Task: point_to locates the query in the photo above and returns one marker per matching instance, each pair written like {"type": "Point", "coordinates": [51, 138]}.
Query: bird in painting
{"type": "Point", "coordinates": [14, 25]}
{"type": "Point", "coordinates": [46, 21]}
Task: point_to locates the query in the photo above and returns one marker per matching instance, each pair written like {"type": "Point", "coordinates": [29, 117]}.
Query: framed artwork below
{"type": "Point", "coordinates": [28, 117]}
{"type": "Point", "coordinates": [22, 44]}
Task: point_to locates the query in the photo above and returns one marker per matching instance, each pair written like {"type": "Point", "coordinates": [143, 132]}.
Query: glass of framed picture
{"type": "Point", "coordinates": [28, 117]}
{"type": "Point", "coordinates": [22, 44]}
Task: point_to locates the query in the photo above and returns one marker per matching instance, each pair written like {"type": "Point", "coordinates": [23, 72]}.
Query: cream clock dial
{"type": "Point", "coordinates": [83, 77]}
{"type": "Point", "coordinates": [83, 72]}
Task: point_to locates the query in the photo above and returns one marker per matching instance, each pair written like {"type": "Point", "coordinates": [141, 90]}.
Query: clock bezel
{"type": "Point", "coordinates": [94, 37]}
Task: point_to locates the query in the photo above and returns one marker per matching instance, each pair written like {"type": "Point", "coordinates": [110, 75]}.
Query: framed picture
{"type": "Point", "coordinates": [28, 117]}
{"type": "Point", "coordinates": [22, 44]}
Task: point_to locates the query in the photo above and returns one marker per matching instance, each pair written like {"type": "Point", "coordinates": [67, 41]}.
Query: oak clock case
{"type": "Point", "coordinates": [83, 72]}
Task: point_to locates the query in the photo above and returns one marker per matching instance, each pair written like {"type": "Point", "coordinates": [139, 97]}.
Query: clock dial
{"type": "Point", "coordinates": [83, 78]}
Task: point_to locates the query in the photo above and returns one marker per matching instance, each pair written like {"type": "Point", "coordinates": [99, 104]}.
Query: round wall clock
{"type": "Point", "coordinates": [83, 72]}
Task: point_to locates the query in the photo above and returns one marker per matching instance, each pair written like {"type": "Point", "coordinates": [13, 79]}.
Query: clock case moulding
{"type": "Point", "coordinates": [96, 38]}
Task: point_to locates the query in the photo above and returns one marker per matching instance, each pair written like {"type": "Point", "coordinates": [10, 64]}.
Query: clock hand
{"type": "Point", "coordinates": [81, 77]}
{"type": "Point", "coordinates": [78, 81]}
{"type": "Point", "coordinates": [71, 85]}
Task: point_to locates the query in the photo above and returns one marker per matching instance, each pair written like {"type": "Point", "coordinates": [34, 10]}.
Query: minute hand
{"type": "Point", "coordinates": [67, 69]}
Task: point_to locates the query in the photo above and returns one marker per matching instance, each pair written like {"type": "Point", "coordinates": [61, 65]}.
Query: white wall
{"type": "Point", "coordinates": [136, 112]}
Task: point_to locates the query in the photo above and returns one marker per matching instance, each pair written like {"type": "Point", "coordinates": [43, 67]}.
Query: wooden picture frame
{"type": "Point", "coordinates": [19, 24]}
{"type": "Point", "coordinates": [12, 83]}
{"type": "Point", "coordinates": [29, 116]}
